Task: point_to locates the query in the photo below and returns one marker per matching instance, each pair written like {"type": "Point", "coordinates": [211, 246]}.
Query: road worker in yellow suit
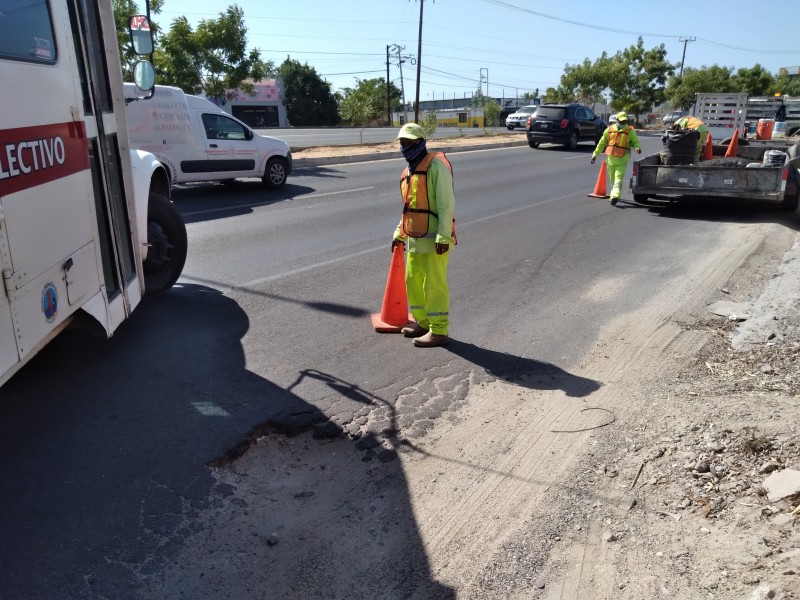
{"type": "Point", "coordinates": [428, 228]}
{"type": "Point", "coordinates": [617, 141]}
{"type": "Point", "coordinates": [694, 124]}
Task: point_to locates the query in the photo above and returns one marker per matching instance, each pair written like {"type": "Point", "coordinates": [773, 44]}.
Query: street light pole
{"type": "Point", "coordinates": [419, 60]}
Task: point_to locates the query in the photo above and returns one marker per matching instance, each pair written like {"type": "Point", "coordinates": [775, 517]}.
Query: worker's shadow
{"type": "Point", "coordinates": [107, 492]}
{"type": "Point", "coordinates": [522, 371]}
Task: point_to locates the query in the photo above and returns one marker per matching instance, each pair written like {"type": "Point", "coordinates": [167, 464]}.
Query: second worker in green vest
{"type": "Point", "coordinates": [617, 141]}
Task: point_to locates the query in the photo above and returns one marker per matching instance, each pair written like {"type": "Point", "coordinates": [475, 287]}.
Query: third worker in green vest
{"type": "Point", "coordinates": [618, 140]}
{"type": "Point", "coordinates": [428, 228]}
{"type": "Point", "coordinates": [694, 124]}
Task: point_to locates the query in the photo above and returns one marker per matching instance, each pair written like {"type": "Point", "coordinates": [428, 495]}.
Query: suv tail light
{"type": "Point", "coordinates": [529, 122]}
{"type": "Point", "coordinates": [564, 123]}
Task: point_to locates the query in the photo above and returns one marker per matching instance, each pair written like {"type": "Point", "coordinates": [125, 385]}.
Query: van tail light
{"type": "Point", "coordinates": [564, 123]}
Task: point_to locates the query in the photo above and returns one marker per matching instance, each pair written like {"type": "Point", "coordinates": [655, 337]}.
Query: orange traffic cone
{"type": "Point", "coordinates": [733, 147]}
{"type": "Point", "coordinates": [600, 186]}
{"type": "Point", "coordinates": [708, 151]}
{"type": "Point", "coordinates": [394, 311]}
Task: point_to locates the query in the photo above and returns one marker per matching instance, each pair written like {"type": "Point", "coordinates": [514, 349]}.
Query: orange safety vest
{"type": "Point", "coordinates": [416, 208]}
{"type": "Point", "coordinates": [617, 141]}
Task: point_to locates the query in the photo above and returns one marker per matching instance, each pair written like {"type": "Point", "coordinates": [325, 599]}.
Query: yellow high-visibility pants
{"type": "Point", "coordinates": [426, 287]}
{"type": "Point", "coordinates": [616, 172]}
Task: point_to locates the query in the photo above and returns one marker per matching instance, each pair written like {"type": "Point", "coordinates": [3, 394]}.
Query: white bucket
{"type": "Point", "coordinates": [780, 130]}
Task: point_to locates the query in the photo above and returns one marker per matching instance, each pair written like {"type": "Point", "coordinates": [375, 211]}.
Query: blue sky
{"type": "Point", "coordinates": [515, 45]}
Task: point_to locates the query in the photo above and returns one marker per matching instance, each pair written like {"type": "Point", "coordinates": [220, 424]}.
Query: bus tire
{"type": "Point", "coordinates": [168, 245]}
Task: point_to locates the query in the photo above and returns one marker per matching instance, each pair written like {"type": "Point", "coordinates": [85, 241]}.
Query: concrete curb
{"type": "Point", "coordinates": [299, 163]}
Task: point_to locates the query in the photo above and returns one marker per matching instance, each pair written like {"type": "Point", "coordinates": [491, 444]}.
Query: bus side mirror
{"type": "Point", "coordinates": [141, 36]}
{"type": "Point", "coordinates": [144, 75]}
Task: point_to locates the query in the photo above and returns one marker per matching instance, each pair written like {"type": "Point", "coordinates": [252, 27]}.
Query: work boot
{"type": "Point", "coordinates": [413, 331]}
{"type": "Point", "coordinates": [430, 339]}
{"type": "Point", "coordinates": [613, 201]}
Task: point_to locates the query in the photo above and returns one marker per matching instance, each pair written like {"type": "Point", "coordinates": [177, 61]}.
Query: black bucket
{"type": "Point", "coordinates": [679, 147]}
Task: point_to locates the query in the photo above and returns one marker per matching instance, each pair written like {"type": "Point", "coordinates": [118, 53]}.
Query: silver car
{"type": "Point", "coordinates": [520, 118]}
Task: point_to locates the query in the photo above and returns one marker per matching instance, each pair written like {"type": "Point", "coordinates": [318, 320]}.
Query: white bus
{"type": "Point", "coordinates": [86, 224]}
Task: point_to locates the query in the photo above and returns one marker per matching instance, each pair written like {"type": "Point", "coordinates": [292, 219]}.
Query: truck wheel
{"type": "Point", "coordinates": [275, 174]}
{"type": "Point", "coordinates": [640, 198]}
{"type": "Point", "coordinates": [166, 238]}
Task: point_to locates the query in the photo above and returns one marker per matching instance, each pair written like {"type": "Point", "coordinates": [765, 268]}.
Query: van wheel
{"type": "Point", "coordinates": [166, 238]}
{"type": "Point", "coordinates": [640, 198]}
{"type": "Point", "coordinates": [275, 175]}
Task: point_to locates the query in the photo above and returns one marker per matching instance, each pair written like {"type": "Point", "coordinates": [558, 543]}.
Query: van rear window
{"type": "Point", "coordinates": [549, 112]}
{"type": "Point", "coordinates": [26, 32]}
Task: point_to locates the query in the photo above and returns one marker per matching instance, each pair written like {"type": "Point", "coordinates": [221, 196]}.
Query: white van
{"type": "Point", "coordinates": [198, 141]}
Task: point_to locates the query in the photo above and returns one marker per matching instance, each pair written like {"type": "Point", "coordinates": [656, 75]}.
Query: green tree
{"type": "Point", "coordinates": [491, 112]}
{"type": "Point", "coordinates": [681, 91]}
{"type": "Point", "coordinates": [755, 81]}
{"type": "Point", "coordinates": [585, 82]}
{"type": "Point", "coordinates": [308, 98]}
{"type": "Point", "coordinates": [557, 94]}
{"type": "Point", "coordinates": [785, 86]}
{"type": "Point", "coordinates": [638, 78]}
{"type": "Point", "coordinates": [428, 124]}
{"type": "Point", "coordinates": [365, 104]}
{"type": "Point", "coordinates": [123, 11]}
{"type": "Point", "coordinates": [214, 59]}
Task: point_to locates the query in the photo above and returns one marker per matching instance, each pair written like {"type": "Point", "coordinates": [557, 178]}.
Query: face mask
{"type": "Point", "coordinates": [414, 152]}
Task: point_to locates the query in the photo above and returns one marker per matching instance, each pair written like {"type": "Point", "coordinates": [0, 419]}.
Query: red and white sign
{"type": "Point", "coordinates": [31, 156]}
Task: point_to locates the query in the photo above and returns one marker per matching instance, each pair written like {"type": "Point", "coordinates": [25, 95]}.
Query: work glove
{"type": "Point", "coordinates": [593, 159]}
{"type": "Point", "coordinates": [396, 243]}
{"type": "Point", "coordinates": [442, 248]}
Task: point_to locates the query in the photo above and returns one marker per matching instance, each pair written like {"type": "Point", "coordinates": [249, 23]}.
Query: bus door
{"type": "Point", "coordinates": [94, 39]}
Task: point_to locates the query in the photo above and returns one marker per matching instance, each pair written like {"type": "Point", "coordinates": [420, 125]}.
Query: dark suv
{"type": "Point", "coordinates": [565, 124]}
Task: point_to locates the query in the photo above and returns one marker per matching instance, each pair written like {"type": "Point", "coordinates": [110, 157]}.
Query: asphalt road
{"type": "Point", "coordinates": [105, 442]}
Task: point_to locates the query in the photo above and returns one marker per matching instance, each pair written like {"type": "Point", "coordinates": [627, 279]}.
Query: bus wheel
{"type": "Point", "coordinates": [167, 245]}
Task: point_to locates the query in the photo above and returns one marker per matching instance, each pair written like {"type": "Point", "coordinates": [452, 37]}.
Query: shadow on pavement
{"type": "Point", "coordinates": [725, 210]}
{"type": "Point", "coordinates": [523, 371]}
{"type": "Point", "coordinates": [104, 478]}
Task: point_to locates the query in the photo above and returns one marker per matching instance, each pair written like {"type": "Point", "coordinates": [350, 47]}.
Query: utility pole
{"type": "Point", "coordinates": [419, 60]}
{"type": "Point", "coordinates": [484, 78]}
{"type": "Point", "coordinates": [400, 62]}
{"type": "Point", "coordinates": [685, 41]}
{"type": "Point", "coordinates": [388, 96]}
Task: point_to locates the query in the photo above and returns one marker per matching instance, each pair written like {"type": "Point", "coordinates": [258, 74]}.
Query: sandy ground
{"type": "Point", "coordinates": [652, 486]}
{"type": "Point", "coordinates": [394, 148]}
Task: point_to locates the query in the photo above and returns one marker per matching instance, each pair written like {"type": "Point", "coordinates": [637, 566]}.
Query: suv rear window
{"type": "Point", "coordinates": [550, 112]}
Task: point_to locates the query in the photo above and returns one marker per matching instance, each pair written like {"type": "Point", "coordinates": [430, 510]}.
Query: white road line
{"type": "Point", "coordinates": [381, 248]}
{"type": "Point", "coordinates": [256, 204]}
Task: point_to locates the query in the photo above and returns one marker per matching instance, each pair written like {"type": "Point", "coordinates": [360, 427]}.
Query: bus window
{"type": "Point", "coordinates": [26, 32]}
